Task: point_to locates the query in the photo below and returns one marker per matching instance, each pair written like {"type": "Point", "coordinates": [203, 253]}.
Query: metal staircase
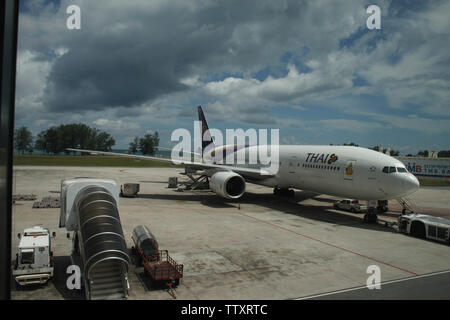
{"type": "Point", "coordinates": [90, 208]}
{"type": "Point", "coordinates": [107, 281]}
{"type": "Point", "coordinates": [406, 205]}
{"type": "Point", "coordinates": [102, 246]}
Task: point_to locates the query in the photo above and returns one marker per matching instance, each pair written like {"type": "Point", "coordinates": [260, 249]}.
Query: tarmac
{"type": "Point", "coordinates": [258, 247]}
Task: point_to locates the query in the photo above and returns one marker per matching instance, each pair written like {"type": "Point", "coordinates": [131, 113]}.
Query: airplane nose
{"type": "Point", "coordinates": [410, 184]}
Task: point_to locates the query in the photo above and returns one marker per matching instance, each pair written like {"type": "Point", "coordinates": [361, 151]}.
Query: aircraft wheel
{"type": "Point", "coordinates": [418, 229]}
{"type": "Point", "coordinates": [370, 218]}
{"type": "Point", "coordinates": [291, 193]}
{"type": "Point", "coordinates": [276, 191]}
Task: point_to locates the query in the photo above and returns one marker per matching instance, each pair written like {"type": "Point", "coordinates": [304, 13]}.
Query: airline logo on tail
{"type": "Point", "coordinates": [205, 134]}
{"type": "Point", "coordinates": [233, 152]}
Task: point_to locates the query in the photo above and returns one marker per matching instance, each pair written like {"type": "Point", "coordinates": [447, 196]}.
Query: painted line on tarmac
{"type": "Point", "coordinates": [365, 287]}
{"type": "Point", "coordinates": [330, 244]}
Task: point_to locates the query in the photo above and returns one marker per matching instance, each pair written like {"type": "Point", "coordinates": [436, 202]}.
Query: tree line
{"type": "Point", "coordinates": [56, 139]}
{"type": "Point", "coordinates": [441, 154]}
{"type": "Point", "coordinates": [393, 153]}
{"type": "Point", "coordinates": [78, 136]}
{"type": "Point", "coordinates": [146, 145]}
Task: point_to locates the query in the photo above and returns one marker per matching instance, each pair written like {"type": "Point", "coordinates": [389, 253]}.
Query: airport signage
{"type": "Point", "coordinates": [433, 168]}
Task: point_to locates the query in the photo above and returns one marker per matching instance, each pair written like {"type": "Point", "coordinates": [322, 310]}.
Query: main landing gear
{"type": "Point", "coordinates": [284, 192]}
{"type": "Point", "coordinates": [370, 216]}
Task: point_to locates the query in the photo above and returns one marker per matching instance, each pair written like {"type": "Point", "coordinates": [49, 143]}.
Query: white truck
{"type": "Point", "coordinates": [350, 205]}
{"type": "Point", "coordinates": [34, 260]}
{"type": "Point", "coordinates": [425, 226]}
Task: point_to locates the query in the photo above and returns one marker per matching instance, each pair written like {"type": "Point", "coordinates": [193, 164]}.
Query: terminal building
{"type": "Point", "coordinates": [421, 167]}
{"type": "Point", "coordinates": [430, 167]}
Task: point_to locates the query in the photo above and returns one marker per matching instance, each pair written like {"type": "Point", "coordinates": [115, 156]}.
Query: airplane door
{"type": "Point", "coordinates": [372, 174]}
{"type": "Point", "coordinates": [292, 164]}
{"type": "Point", "coordinates": [349, 171]}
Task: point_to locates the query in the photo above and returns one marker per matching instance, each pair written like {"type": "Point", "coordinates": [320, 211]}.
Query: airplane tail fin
{"type": "Point", "coordinates": [206, 136]}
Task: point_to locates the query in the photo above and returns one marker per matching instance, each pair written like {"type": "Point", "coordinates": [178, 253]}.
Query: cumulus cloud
{"type": "Point", "coordinates": [135, 65]}
{"type": "Point", "coordinates": [125, 55]}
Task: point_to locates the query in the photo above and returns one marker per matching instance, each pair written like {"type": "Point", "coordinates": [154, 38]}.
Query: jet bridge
{"type": "Point", "coordinates": [89, 207]}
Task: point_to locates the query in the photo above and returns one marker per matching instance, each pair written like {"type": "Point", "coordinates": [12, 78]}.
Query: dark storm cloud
{"type": "Point", "coordinates": [94, 79]}
{"type": "Point", "coordinates": [130, 53]}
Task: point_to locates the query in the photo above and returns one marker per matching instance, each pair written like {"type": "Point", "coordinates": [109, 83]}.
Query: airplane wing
{"type": "Point", "coordinates": [170, 149]}
{"type": "Point", "coordinates": [249, 172]}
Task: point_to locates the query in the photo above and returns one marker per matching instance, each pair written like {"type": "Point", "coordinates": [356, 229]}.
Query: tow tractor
{"type": "Point", "coordinates": [34, 261]}
{"type": "Point", "coordinates": [425, 226]}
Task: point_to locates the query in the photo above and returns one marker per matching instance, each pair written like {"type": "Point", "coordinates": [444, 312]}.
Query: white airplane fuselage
{"type": "Point", "coordinates": [343, 171]}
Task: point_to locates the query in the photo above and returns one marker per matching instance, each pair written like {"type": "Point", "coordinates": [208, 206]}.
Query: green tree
{"type": "Point", "coordinates": [149, 143]}
{"type": "Point", "coordinates": [52, 143]}
{"type": "Point", "coordinates": [23, 140]}
{"type": "Point", "coordinates": [394, 153]}
{"type": "Point", "coordinates": [423, 153]}
{"type": "Point", "coordinates": [444, 154]}
{"type": "Point", "coordinates": [134, 145]}
{"type": "Point", "coordinates": [77, 136]}
{"type": "Point", "coordinates": [104, 141]}
{"type": "Point", "coordinates": [40, 143]}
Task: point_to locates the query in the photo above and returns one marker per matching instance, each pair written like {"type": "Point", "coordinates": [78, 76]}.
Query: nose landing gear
{"type": "Point", "coordinates": [370, 216]}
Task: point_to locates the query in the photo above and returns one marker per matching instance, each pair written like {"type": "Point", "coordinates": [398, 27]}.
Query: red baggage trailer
{"type": "Point", "coordinates": [164, 269]}
{"type": "Point", "coordinates": [157, 263]}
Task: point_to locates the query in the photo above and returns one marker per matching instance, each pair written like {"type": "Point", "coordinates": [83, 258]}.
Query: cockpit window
{"type": "Point", "coordinates": [390, 169]}
{"type": "Point", "coordinates": [400, 169]}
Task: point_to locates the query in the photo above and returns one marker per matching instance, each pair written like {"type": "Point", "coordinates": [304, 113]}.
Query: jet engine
{"type": "Point", "coordinates": [227, 184]}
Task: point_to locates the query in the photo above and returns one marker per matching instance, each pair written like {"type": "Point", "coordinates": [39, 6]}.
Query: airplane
{"type": "Point", "coordinates": [342, 171]}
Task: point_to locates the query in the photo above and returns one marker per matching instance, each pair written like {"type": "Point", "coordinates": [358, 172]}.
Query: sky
{"type": "Point", "coordinates": [311, 69]}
